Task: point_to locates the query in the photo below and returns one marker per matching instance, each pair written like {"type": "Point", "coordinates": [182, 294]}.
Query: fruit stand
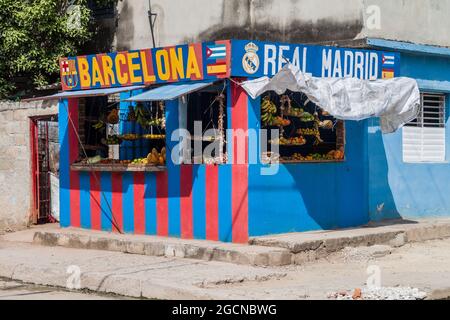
{"type": "Point", "coordinates": [138, 133]}
{"type": "Point", "coordinates": [306, 133]}
{"type": "Point", "coordinates": [140, 175]}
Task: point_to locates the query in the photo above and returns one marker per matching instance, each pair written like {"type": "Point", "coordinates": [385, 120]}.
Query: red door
{"type": "Point", "coordinates": [41, 168]}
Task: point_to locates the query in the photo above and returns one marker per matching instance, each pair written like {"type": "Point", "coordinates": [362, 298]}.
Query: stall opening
{"type": "Point", "coordinates": [306, 132]}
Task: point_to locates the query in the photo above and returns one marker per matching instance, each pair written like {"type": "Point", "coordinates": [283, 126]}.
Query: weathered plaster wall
{"type": "Point", "coordinates": [15, 160]}
{"type": "Point", "coordinates": [181, 21]}
{"type": "Point", "coordinates": [417, 21]}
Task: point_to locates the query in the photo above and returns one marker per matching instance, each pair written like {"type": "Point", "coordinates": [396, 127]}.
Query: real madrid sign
{"type": "Point", "coordinates": [219, 60]}
{"type": "Point", "coordinates": [257, 59]}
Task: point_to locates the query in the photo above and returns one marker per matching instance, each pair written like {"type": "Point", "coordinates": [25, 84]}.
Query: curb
{"type": "Point", "coordinates": [395, 236]}
{"type": "Point", "coordinates": [269, 251]}
{"type": "Point", "coordinates": [152, 246]}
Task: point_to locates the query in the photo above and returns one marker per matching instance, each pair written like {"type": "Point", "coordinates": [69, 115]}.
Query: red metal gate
{"type": "Point", "coordinates": [41, 203]}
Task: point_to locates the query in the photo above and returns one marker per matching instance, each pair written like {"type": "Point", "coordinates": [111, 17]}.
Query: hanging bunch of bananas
{"type": "Point", "coordinates": [131, 116]}
{"type": "Point", "coordinates": [99, 125]}
{"type": "Point", "coordinates": [141, 115]}
{"type": "Point", "coordinates": [269, 110]}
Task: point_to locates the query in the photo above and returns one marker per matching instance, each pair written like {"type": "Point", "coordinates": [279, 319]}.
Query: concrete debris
{"type": "Point", "coordinates": [383, 293]}
{"type": "Point", "coordinates": [228, 281]}
{"type": "Point", "coordinates": [365, 253]}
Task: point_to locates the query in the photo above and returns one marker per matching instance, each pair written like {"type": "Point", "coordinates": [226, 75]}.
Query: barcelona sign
{"type": "Point", "coordinates": [201, 61]}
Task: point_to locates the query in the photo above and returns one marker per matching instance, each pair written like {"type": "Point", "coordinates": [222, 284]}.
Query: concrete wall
{"type": "Point", "coordinates": [181, 21]}
{"type": "Point", "coordinates": [15, 161]}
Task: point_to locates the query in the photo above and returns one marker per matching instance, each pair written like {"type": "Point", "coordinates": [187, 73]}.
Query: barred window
{"type": "Point", "coordinates": [424, 137]}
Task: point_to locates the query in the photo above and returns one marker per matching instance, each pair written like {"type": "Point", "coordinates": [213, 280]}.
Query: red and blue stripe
{"type": "Point", "coordinates": [186, 201]}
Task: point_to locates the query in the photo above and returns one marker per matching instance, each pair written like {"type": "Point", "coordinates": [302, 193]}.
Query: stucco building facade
{"type": "Point", "coordinates": [295, 21]}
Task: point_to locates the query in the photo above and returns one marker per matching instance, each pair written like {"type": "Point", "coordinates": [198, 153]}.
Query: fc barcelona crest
{"type": "Point", "coordinates": [69, 74]}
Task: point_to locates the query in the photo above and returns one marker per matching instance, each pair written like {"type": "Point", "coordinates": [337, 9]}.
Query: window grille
{"type": "Point", "coordinates": [424, 137]}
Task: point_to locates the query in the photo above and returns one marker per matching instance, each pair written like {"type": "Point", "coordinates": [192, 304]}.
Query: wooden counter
{"type": "Point", "coordinates": [116, 167]}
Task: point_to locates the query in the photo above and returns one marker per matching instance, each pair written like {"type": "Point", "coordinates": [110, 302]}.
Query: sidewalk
{"type": "Point", "coordinates": [420, 265]}
{"type": "Point", "coordinates": [126, 274]}
{"type": "Point", "coordinates": [278, 250]}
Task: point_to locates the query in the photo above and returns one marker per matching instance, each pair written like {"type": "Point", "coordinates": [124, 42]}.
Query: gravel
{"type": "Point", "coordinates": [383, 293]}
{"type": "Point", "coordinates": [365, 253]}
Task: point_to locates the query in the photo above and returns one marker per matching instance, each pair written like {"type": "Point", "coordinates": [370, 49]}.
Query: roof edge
{"type": "Point", "coordinates": [408, 47]}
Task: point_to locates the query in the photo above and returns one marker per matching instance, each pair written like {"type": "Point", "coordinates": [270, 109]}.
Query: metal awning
{"type": "Point", "coordinates": [434, 85]}
{"type": "Point", "coordinates": [170, 91]}
{"type": "Point", "coordinates": [85, 93]}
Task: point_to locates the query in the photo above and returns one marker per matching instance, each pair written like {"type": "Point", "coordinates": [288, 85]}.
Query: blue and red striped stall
{"type": "Point", "coordinates": [227, 202]}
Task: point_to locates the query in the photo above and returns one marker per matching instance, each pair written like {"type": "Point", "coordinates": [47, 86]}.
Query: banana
{"type": "Point", "coordinates": [266, 108]}
{"type": "Point", "coordinates": [99, 125]}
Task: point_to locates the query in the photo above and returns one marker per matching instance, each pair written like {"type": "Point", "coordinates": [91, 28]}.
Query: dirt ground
{"type": "Point", "coordinates": [421, 265]}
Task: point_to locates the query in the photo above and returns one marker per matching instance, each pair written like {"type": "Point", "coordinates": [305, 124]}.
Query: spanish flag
{"type": "Point", "coordinates": [388, 74]}
{"type": "Point", "coordinates": [217, 68]}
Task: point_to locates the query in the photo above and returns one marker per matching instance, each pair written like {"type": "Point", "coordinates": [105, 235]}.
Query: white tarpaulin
{"type": "Point", "coordinates": [396, 101]}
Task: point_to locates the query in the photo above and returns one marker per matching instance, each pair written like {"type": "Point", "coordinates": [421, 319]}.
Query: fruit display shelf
{"type": "Point", "coordinates": [116, 167]}
{"type": "Point", "coordinates": [288, 145]}
{"type": "Point", "coordinates": [283, 161]}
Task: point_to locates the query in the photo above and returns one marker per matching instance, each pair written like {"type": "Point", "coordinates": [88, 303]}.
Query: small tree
{"type": "Point", "coordinates": [34, 34]}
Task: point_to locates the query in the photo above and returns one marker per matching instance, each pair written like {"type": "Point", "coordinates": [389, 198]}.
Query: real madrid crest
{"type": "Point", "coordinates": [250, 60]}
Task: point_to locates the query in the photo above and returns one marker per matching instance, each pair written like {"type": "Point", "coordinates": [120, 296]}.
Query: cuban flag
{"type": "Point", "coordinates": [214, 52]}
{"type": "Point", "coordinates": [388, 60]}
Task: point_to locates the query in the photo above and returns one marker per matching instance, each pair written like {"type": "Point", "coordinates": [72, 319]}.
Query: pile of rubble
{"type": "Point", "coordinates": [383, 293]}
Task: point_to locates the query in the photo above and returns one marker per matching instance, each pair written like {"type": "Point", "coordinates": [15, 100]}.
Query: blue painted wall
{"type": "Point", "coordinates": [306, 197]}
{"type": "Point", "coordinates": [398, 189]}
{"type": "Point", "coordinates": [372, 184]}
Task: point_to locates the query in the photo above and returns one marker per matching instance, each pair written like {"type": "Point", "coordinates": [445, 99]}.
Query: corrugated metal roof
{"type": "Point", "coordinates": [170, 91]}
{"type": "Point", "coordinates": [85, 93]}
